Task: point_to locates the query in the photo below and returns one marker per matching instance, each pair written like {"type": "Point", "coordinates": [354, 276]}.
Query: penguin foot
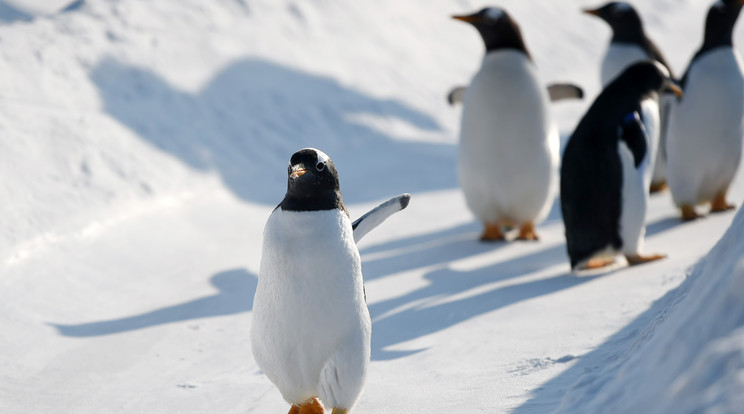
{"type": "Point", "coordinates": [689, 213]}
{"type": "Point", "coordinates": [492, 232]}
{"type": "Point", "coordinates": [720, 204]}
{"type": "Point", "coordinates": [599, 262]}
{"type": "Point", "coordinates": [340, 411]}
{"type": "Point", "coordinates": [527, 232]}
{"type": "Point", "coordinates": [658, 186]}
{"type": "Point", "coordinates": [636, 259]}
{"type": "Point", "coordinates": [311, 407]}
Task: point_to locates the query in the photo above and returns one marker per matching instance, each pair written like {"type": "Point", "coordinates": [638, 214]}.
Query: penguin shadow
{"type": "Point", "coordinates": [662, 225]}
{"type": "Point", "coordinates": [254, 113]}
{"type": "Point", "coordinates": [10, 14]}
{"type": "Point", "coordinates": [439, 247]}
{"type": "Point", "coordinates": [429, 249]}
{"type": "Point", "coordinates": [428, 310]}
{"type": "Point", "coordinates": [235, 295]}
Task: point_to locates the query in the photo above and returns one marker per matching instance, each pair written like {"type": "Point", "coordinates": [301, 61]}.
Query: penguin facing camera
{"type": "Point", "coordinates": [311, 326]}
{"type": "Point", "coordinates": [603, 179]}
{"type": "Point", "coordinates": [508, 150]}
{"type": "Point", "coordinates": [706, 126]}
{"type": "Point", "coordinates": [629, 44]}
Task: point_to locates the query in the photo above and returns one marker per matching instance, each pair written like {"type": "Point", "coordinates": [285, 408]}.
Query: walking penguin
{"type": "Point", "coordinates": [311, 326]}
{"type": "Point", "coordinates": [508, 151]}
{"type": "Point", "coordinates": [603, 180]}
{"type": "Point", "coordinates": [707, 125]}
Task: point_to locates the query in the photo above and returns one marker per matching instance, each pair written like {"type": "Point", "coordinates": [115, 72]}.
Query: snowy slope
{"type": "Point", "coordinates": [144, 144]}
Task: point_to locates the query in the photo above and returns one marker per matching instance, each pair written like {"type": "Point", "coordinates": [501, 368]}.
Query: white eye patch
{"type": "Point", "coordinates": [664, 71]}
{"type": "Point", "coordinates": [621, 6]}
{"type": "Point", "coordinates": [322, 156]}
{"type": "Point", "coordinates": [493, 13]}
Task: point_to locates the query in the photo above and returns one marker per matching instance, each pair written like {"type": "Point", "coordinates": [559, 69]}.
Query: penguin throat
{"type": "Point", "coordinates": [315, 201]}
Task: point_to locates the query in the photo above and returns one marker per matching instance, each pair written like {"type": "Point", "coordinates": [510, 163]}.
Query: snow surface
{"type": "Point", "coordinates": [144, 144]}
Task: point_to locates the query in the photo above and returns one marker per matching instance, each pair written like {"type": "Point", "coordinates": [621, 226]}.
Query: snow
{"type": "Point", "coordinates": [145, 143]}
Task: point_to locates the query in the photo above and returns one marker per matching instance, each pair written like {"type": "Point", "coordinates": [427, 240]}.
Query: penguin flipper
{"type": "Point", "coordinates": [562, 91]}
{"type": "Point", "coordinates": [377, 215]}
{"type": "Point", "coordinates": [455, 95]}
{"type": "Point", "coordinates": [634, 135]}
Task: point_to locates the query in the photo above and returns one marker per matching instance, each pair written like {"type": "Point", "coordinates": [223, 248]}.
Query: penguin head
{"type": "Point", "coordinates": [623, 19]}
{"type": "Point", "coordinates": [719, 24]}
{"type": "Point", "coordinates": [497, 28]}
{"type": "Point", "coordinates": [312, 182]}
{"type": "Point", "coordinates": [647, 77]}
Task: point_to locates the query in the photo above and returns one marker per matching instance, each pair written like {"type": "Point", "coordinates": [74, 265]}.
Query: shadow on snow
{"type": "Point", "coordinates": [248, 120]}
{"type": "Point", "coordinates": [235, 295]}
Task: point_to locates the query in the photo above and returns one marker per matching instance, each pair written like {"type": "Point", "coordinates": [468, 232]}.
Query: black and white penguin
{"type": "Point", "coordinates": [706, 126]}
{"type": "Point", "coordinates": [508, 151]}
{"type": "Point", "coordinates": [603, 193]}
{"type": "Point", "coordinates": [629, 44]}
{"type": "Point", "coordinates": [311, 328]}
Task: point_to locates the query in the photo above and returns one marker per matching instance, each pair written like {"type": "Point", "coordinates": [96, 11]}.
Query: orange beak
{"type": "Point", "coordinates": [297, 171]}
{"type": "Point", "coordinates": [471, 19]}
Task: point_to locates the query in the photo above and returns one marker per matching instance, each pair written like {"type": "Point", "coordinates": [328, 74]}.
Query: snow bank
{"type": "Point", "coordinates": [690, 358]}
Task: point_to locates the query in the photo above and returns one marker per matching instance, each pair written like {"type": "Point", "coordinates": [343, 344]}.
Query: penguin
{"type": "Point", "coordinates": [706, 126]}
{"type": "Point", "coordinates": [629, 44]}
{"type": "Point", "coordinates": [311, 327]}
{"type": "Point", "coordinates": [602, 181]}
{"type": "Point", "coordinates": [508, 149]}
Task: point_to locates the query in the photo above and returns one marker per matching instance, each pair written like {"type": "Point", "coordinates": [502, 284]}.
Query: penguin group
{"type": "Point", "coordinates": [644, 131]}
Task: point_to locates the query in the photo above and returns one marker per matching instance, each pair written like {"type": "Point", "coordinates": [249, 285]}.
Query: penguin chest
{"type": "Point", "coordinates": [309, 298]}
{"type": "Point", "coordinates": [633, 199]}
{"type": "Point", "coordinates": [505, 134]}
{"type": "Point", "coordinates": [618, 57]}
{"type": "Point", "coordinates": [652, 124]}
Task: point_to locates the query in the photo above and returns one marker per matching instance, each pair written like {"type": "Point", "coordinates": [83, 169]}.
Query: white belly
{"type": "Point", "coordinates": [704, 144]}
{"type": "Point", "coordinates": [617, 58]}
{"type": "Point", "coordinates": [652, 125]}
{"type": "Point", "coordinates": [508, 153]}
{"type": "Point", "coordinates": [634, 201]}
{"type": "Point", "coordinates": [311, 327]}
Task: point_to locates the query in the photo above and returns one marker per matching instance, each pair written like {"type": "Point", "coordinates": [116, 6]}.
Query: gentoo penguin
{"type": "Point", "coordinates": [508, 152]}
{"type": "Point", "coordinates": [603, 186]}
{"type": "Point", "coordinates": [311, 327]}
{"type": "Point", "coordinates": [706, 126]}
{"type": "Point", "coordinates": [629, 44]}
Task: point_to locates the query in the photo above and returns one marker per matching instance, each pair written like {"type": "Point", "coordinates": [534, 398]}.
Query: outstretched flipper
{"type": "Point", "coordinates": [455, 95]}
{"type": "Point", "coordinates": [556, 91]}
{"type": "Point", "coordinates": [377, 215]}
{"type": "Point", "coordinates": [562, 91]}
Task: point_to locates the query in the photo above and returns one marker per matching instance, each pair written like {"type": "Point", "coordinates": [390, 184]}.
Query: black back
{"type": "Point", "coordinates": [719, 29]}
{"type": "Point", "coordinates": [627, 27]}
{"type": "Point", "coordinates": [591, 170]}
{"type": "Point", "coordinates": [317, 189]}
{"type": "Point", "coordinates": [498, 30]}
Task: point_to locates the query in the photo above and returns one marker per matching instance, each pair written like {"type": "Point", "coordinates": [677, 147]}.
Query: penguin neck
{"type": "Point", "coordinates": [632, 32]}
{"type": "Point", "coordinates": [718, 33]}
{"type": "Point", "coordinates": [315, 201]}
{"type": "Point", "coordinates": [495, 42]}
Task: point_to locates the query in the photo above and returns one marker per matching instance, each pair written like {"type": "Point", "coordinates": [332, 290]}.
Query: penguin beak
{"type": "Point", "coordinates": [297, 171]}
{"type": "Point", "coordinates": [472, 19]}
{"type": "Point", "coordinates": [594, 12]}
{"type": "Point", "coordinates": [669, 85]}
